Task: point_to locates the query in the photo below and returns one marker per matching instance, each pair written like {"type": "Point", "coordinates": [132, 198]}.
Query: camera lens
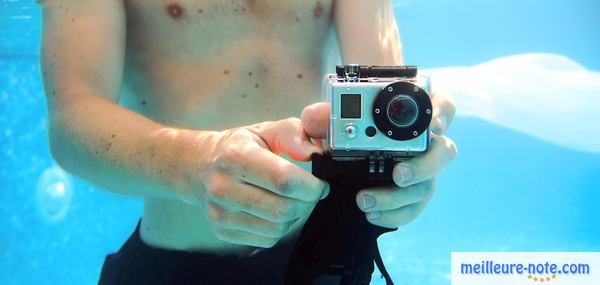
{"type": "Point", "coordinates": [402, 111]}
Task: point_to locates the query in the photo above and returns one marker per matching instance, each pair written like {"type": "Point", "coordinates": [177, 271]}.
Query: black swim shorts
{"type": "Point", "coordinates": [138, 263]}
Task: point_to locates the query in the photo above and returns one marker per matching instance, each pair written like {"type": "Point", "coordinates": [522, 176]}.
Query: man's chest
{"type": "Point", "coordinates": [182, 26]}
{"type": "Point", "coordinates": [189, 11]}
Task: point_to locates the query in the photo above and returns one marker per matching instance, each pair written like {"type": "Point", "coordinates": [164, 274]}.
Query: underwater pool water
{"type": "Point", "coordinates": [506, 191]}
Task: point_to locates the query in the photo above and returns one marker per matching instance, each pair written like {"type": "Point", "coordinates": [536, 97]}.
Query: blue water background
{"type": "Point", "coordinates": [506, 191]}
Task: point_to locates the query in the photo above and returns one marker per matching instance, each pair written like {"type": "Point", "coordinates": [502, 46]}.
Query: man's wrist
{"type": "Point", "coordinates": [178, 156]}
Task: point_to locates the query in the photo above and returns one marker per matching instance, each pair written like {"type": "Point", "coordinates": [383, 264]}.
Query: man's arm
{"type": "Point", "coordinates": [223, 173]}
{"type": "Point", "coordinates": [367, 32]}
{"type": "Point", "coordinates": [90, 135]}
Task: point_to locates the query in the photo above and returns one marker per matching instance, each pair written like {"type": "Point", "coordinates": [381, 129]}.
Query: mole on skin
{"type": "Point", "coordinates": [175, 11]}
{"type": "Point", "coordinates": [318, 11]}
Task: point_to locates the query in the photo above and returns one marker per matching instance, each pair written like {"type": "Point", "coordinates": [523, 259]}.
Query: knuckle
{"type": "Point", "coordinates": [219, 163]}
{"type": "Point", "coordinates": [283, 184]}
{"type": "Point", "coordinates": [218, 233]}
{"type": "Point", "coordinates": [451, 146]}
{"type": "Point", "coordinates": [240, 133]}
{"type": "Point", "coordinates": [281, 229]}
{"type": "Point", "coordinates": [304, 210]}
{"type": "Point", "coordinates": [216, 215]}
{"type": "Point", "coordinates": [451, 107]}
{"type": "Point", "coordinates": [436, 127]}
{"type": "Point", "coordinates": [294, 124]}
{"type": "Point", "coordinates": [283, 213]}
{"type": "Point", "coordinates": [446, 144]}
{"type": "Point", "coordinates": [232, 153]}
{"type": "Point", "coordinates": [307, 113]}
{"type": "Point", "coordinates": [222, 163]}
{"type": "Point", "coordinates": [277, 230]}
{"type": "Point", "coordinates": [216, 192]}
{"type": "Point", "coordinates": [294, 121]}
{"type": "Point", "coordinates": [228, 236]}
{"type": "Point", "coordinates": [222, 234]}
{"type": "Point", "coordinates": [229, 158]}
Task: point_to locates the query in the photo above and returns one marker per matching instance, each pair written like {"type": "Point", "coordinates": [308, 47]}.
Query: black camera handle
{"type": "Point", "coordinates": [337, 244]}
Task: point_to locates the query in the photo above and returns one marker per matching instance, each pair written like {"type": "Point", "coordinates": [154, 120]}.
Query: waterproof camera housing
{"type": "Point", "coordinates": [377, 112]}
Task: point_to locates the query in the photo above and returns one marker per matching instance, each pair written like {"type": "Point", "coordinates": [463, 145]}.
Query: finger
{"type": "Point", "coordinates": [315, 120]}
{"type": "Point", "coordinates": [243, 221]}
{"type": "Point", "coordinates": [396, 218]}
{"type": "Point", "coordinates": [287, 136]}
{"type": "Point", "coordinates": [442, 151]}
{"type": "Point", "coordinates": [256, 201]}
{"type": "Point", "coordinates": [244, 238]}
{"type": "Point", "coordinates": [260, 167]}
{"type": "Point", "coordinates": [443, 112]}
{"type": "Point", "coordinates": [393, 197]}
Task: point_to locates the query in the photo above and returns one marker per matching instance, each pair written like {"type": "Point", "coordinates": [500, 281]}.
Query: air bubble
{"type": "Point", "coordinates": [53, 194]}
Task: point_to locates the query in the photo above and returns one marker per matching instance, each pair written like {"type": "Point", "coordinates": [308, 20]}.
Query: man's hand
{"type": "Point", "coordinates": [253, 196]}
{"type": "Point", "coordinates": [398, 205]}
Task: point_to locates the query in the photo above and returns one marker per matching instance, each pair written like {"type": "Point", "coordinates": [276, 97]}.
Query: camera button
{"type": "Point", "coordinates": [370, 131]}
{"type": "Point", "coordinates": [350, 131]}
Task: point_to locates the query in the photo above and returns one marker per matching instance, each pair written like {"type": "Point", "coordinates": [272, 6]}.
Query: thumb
{"type": "Point", "coordinates": [288, 136]}
{"type": "Point", "coordinates": [315, 119]}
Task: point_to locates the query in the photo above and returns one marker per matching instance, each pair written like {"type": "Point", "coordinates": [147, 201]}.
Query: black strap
{"type": "Point", "coordinates": [381, 267]}
{"type": "Point", "coordinates": [337, 240]}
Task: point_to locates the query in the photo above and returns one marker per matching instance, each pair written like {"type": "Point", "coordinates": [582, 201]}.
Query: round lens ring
{"type": "Point", "coordinates": [402, 111]}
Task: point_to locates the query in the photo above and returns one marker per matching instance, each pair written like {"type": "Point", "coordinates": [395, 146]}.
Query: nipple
{"type": "Point", "coordinates": [175, 10]}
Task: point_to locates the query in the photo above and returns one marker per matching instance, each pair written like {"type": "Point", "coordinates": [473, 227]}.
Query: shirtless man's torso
{"type": "Point", "coordinates": [142, 95]}
{"type": "Point", "coordinates": [214, 65]}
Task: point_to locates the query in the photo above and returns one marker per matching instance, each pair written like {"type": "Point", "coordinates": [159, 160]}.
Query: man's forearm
{"type": "Point", "coordinates": [122, 151]}
{"type": "Point", "coordinates": [367, 32]}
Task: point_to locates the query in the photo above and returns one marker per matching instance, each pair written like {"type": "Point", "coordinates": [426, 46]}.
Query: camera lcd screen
{"type": "Point", "coordinates": [351, 108]}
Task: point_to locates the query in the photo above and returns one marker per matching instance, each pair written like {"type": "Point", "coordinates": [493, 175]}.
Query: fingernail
{"type": "Point", "coordinates": [406, 174]}
{"type": "Point", "coordinates": [368, 201]}
{"type": "Point", "coordinates": [374, 216]}
{"type": "Point", "coordinates": [325, 192]}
